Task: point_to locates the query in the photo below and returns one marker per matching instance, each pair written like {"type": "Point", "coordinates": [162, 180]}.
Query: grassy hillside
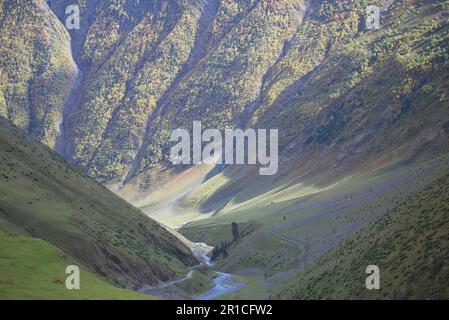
{"type": "Point", "coordinates": [288, 229]}
{"type": "Point", "coordinates": [33, 269]}
{"type": "Point", "coordinates": [409, 245]}
{"type": "Point", "coordinates": [44, 197]}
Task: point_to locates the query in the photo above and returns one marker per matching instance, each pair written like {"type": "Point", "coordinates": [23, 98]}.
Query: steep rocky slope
{"type": "Point", "coordinates": [37, 70]}
{"type": "Point", "coordinates": [152, 62]}
{"type": "Point", "coordinates": [309, 68]}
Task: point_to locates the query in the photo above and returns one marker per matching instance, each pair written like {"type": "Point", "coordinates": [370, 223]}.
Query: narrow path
{"type": "Point", "coordinates": [301, 247]}
{"type": "Point", "coordinates": [167, 284]}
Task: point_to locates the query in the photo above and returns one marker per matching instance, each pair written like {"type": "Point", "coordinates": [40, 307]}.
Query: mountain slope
{"type": "Point", "coordinates": [289, 228]}
{"type": "Point", "coordinates": [42, 196]}
{"type": "Point", "coordinates": [37, 70]}
{"type": "Point", "coordinates": [377, 95]}
{"type": "Point", "coordinates": [309, 68]}
{"type": "Point", "coordinates": [346, 101]}
{"type": "Point", "coordinates": [409, 245]}
{"type": "Point", "coordinates": [133, 55]}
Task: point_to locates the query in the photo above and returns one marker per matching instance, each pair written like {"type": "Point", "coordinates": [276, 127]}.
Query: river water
{"type": "Point", "coordinates": [223, 283]}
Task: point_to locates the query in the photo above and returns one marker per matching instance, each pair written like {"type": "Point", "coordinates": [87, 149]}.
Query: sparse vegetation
{"type": "Point", "coordinates": [409, 244]}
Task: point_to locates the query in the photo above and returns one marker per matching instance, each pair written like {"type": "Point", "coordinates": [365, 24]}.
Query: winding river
{"type": "Point", "coordinates": [223, 283]}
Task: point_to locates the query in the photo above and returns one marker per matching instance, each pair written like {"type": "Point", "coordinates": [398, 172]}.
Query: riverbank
{"type": "Point", "coordinates": [224, 284]}
{"type": "Point", "coordinates": [201, 283]}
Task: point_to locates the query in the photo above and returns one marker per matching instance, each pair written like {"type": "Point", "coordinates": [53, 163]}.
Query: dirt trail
{"type": "Point", "coordinates": [301, 247]}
